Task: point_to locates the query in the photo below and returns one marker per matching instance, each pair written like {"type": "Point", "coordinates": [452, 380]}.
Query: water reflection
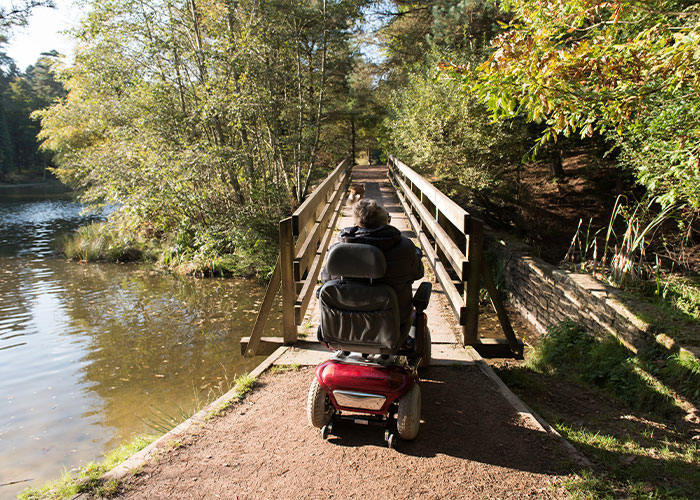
{"type": "Point", "coordinates": [90, 351]}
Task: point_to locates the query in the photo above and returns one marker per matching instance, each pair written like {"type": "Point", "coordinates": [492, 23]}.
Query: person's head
{"type": "Point", "coordinates": [369, 214]}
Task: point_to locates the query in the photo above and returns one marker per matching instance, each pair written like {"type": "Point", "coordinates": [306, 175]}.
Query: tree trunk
{"type": "Point", "coordinates": [319, 108]}
{"type": "Point", "coordinates": [555, 164]}
{"type": "Point", "coordinates": [352, 130]}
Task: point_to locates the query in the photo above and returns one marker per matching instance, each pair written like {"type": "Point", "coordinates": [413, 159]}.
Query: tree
{"type": "Point", "coordinates": [17, 13]}
{"type": "Point", "coordinates": [626, 69]}
{"type": "Point", "coordinates": [36, 89]}
{"type": "Point", "coordinates": [437, 127]}
{"type": "Point", "coordinates": [201, 117]}
{"type": "Point", "coordinates": [8, 70]}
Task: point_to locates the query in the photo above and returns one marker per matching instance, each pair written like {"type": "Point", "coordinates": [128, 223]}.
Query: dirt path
{"type": "Point", "coordinates": [472, 444]}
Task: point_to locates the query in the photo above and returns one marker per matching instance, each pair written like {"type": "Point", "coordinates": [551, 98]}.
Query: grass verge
{"type": "Point", "coordinates": [604, 400]}
{"type": "Point", "coordinates": [87, 479]}
{"type": "Point", "coordinates": [244, 384]}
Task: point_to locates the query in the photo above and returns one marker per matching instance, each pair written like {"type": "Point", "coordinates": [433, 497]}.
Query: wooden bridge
{"type": "Point", "coordinates": [452, 241]}
{"type": "Point", "coordinates": [470, 421]}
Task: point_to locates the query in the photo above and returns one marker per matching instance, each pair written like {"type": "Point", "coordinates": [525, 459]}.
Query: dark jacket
{"type": "Point", "coordinates": [403, 263]}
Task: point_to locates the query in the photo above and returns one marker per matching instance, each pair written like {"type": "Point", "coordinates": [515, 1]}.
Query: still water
{"type": "Point", "coordinates": [92, 354]}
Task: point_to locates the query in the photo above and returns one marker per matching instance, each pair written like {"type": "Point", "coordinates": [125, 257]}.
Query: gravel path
{"type": "Point", "coordinates": [472, 444]}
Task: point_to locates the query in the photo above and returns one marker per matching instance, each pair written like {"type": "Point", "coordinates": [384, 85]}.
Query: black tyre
{"type": "Point", "coordinates": [319, 408]}
{"type": "Point", "coordinates": [408, 421]}
{"type": "Point", "coordinates": [427, 349]}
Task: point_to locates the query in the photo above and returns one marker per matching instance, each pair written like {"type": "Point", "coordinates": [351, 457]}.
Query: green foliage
{"type": "Point", "coordinates": [20, 95]}
{"type": "Point", "coordinates": [246, 247]}
{"type": "Point", "coordinates": [678, 297]}
{"type": "Point", "coordinates": [107, 241]}
{"type": "Point", "coordinates": [202, 121]}
{"type": "Point", "coordinates": [465, 25]}
{"type": "Point", "coordinates": [626, 69]}
{"type": "Point", "coordinates": [570, 351]}
{"type": "Point", "coordinates": [628, 265]}
{"type": "Point", "coordinates": [244, 385]}
{"type": "Point", "coordinates": [87, 479]}
{"type": "Point", "coordinates": [434, 125]}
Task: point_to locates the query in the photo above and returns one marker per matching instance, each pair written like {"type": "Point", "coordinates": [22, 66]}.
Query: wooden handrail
{"type": "Point", "coordinates": [304, 240]}
{"type": "Point", "coordinates": [452, 240]}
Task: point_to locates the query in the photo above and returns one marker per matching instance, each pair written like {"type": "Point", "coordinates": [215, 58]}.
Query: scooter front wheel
{"type": "Point", "coordinates": [319, 408]}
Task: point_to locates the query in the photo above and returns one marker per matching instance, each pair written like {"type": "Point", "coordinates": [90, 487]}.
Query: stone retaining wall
{"type": "Point", "coordinates": [546, 295]}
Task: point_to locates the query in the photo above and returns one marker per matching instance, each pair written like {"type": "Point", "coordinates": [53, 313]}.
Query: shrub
{"type": "Point", "coordinates": [435, 126]}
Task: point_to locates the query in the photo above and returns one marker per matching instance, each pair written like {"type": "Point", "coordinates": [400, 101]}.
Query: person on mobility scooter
{"type": "Point", "coordinates": [376, 326]}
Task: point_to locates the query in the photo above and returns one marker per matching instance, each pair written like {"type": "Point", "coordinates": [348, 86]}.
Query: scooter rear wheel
{"type": "Point", "coordinates": [319, 408]}
{"type": "Point", "coordinates": [408, 421]}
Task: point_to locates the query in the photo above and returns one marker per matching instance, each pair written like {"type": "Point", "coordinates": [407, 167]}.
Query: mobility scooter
{"type": "Point", "coordinates": [372, 377]}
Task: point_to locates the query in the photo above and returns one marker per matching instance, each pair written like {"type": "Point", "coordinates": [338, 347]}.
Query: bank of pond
{"type": "Point", "coordinates": [92, 354]}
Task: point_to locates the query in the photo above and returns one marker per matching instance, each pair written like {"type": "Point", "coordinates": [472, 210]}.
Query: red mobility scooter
{"type": "Point", "coordinates": [372, 378]}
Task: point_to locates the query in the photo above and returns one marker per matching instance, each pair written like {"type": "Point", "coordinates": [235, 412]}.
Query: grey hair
{"type": "Point", "coordinates": [369, 214]}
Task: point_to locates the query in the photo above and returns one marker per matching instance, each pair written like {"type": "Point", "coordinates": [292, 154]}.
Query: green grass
{"type": "Point", "coordinates": [679, 296]}
{"type": "Point", "coordinates": [607, 365]}
{"type": "Point", "coordinates": [277, 369]}
{"type": "Point", "coordinates": [87, 479]}
{"type": "Point", "coordinates": [671, 304]}
{"type": "Point", "coordinates": [633, 469]}
{"type": "Point", "coordinates": [618, 409]}
{"type": "Point", "coordinates": [244, 384]}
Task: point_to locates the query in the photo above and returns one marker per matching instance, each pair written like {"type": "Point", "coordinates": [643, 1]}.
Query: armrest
{"type": "Point", "coordinates": [422, 296]}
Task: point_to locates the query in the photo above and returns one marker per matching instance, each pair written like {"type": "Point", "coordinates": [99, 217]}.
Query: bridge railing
{"type": "Point", "coordinates": [453, 242]}
{"type": "Point", "coordinates": [304, 240]}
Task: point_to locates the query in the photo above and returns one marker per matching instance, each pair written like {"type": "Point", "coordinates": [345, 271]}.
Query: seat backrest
{"type": "Point", "coordinates": [356, 260]}
{"type": "Point", "coordinates": [357, 314]}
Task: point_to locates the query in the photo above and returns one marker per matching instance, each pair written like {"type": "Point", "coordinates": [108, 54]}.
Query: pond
{"type": "Point", "coordinates": [92, 354]}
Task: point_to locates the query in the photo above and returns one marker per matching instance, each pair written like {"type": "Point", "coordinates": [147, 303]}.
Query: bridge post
{"type": "Point", "coordinates": [473, 285]}
{"type": "Point", "coordinates": [289, 291]}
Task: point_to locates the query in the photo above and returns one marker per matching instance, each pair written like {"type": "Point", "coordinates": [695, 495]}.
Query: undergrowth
{"type": "Point", "coordinates": [570, 351]}
{"type": "Point", "coordinates": [103, 241]}
{"type": "Point", "coordinates": [679, 297]}
{"type": "Point", "coordinates": [620, 409]}
{"type": "Point", "coordinates": [185, 252]}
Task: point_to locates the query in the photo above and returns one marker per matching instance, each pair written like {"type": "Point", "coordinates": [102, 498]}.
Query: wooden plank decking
{"type": "Point", "coordinates": [444, 328]}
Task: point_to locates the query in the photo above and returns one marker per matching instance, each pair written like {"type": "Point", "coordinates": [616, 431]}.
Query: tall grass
{"type": "Point", "coordinates": [624, 254]}
{"type": "Point", "coordinates": [628, 263]}
{"type": "Point", "coordinates": [103, 241]}
{"type": "Point", "coordinates": [113, 242]}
